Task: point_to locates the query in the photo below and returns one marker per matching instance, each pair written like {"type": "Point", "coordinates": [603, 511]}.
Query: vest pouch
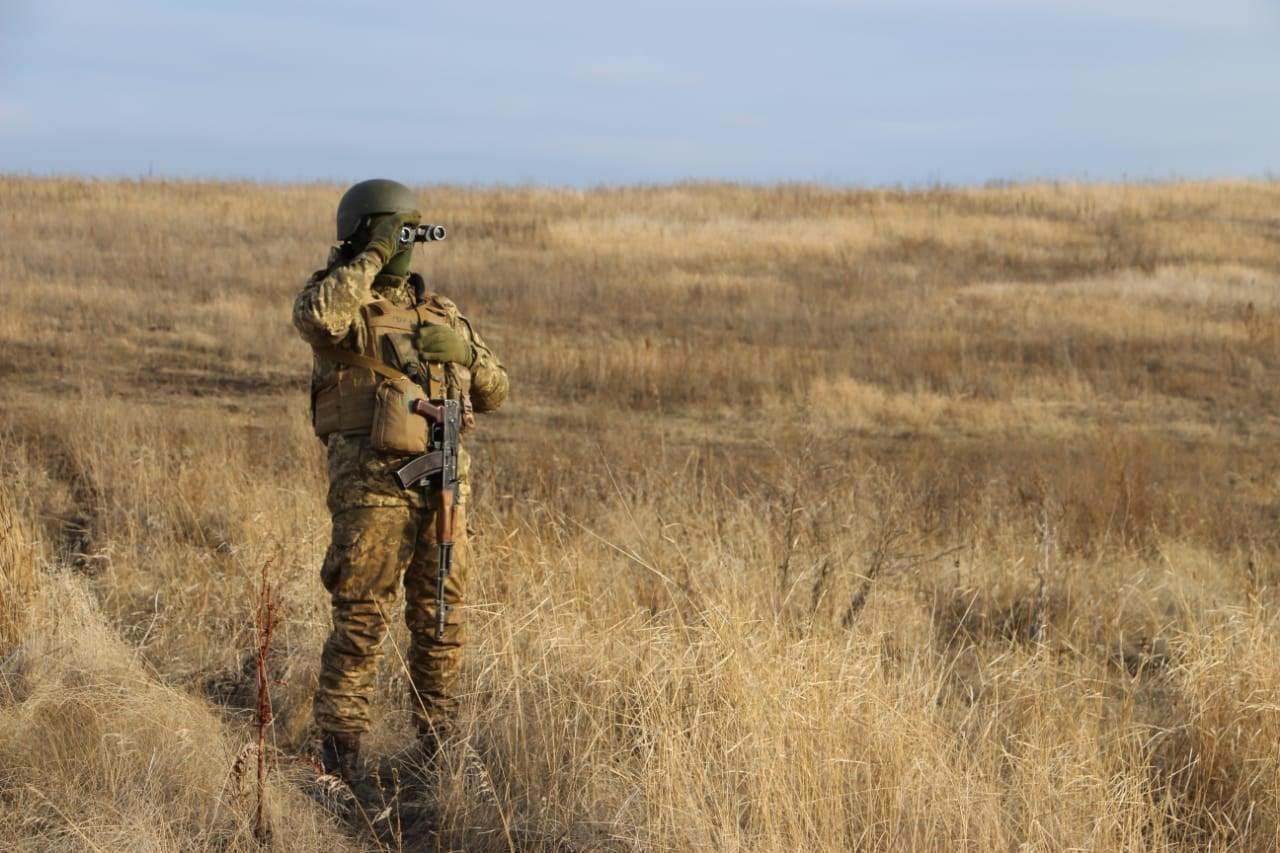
{"type": "Point", "coordinates": [395, 428]}
{"type": "Point", "coordinates": [345, 406]}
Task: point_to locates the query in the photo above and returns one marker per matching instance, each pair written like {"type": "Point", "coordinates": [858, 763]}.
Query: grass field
{"type": "Point", "coordinates": [817, 520]}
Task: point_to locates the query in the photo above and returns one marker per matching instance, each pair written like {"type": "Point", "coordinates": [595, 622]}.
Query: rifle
{"type": "Point", "coordinates": [438, 464]}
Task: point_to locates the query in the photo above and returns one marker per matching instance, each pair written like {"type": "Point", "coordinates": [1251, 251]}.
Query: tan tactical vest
{"type": "Point", "coordinates": [385, 349]}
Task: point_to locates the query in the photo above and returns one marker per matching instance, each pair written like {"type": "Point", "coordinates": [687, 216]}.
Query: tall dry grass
{"type": "Point", "coordinates": [817, 520]}
{"type": "Point", "coordinates": [19, 572]}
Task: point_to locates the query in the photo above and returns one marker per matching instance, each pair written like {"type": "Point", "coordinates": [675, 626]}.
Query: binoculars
{"type": "Point", "coordinates": [422, 234]}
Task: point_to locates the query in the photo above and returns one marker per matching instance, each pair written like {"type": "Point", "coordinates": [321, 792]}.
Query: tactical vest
{"type": "Point", "coordinates": [385, 349]}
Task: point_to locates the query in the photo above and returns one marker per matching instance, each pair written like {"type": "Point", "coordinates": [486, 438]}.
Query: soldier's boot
{"type": "Point", "coordinates": [340, 756]}
{"type": "Point", "coordinates": [423, 762]}
{"type": "Point", "coordinates": [448, 758]}
{"type": "Point", "coordinates": [436, 736]}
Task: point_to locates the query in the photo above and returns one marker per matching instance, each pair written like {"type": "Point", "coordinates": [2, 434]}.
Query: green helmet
{"type": "Point", "coordinates": [371, 197]}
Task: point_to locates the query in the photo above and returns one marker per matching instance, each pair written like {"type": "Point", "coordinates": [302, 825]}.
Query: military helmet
{"type": "Point", "coordinates": [371, 197]}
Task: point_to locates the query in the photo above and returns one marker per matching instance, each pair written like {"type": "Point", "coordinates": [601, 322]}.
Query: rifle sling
{"type": "Point", "coordinates": [351, 359]}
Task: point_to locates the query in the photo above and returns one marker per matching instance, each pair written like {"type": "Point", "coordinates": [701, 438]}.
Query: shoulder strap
{"type": "Point", "coordinates": [351, 359]}
{"type": "Point", "coordinates": [431, 315]}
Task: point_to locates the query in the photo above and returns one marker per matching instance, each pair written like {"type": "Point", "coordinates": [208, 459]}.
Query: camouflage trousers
{"type": "Point", "coordinates": [372, 549]}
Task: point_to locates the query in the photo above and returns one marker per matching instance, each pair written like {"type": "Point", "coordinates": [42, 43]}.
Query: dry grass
{"type": "Point", "coordinates": [19, 578]}
{"type": "Point", "coordinates": [818, 520]}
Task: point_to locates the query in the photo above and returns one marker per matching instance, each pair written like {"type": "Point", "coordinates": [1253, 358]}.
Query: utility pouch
{"type": "Point", "coordinates": [397, 429]}
{"type": "Point", "coordinates": [346, 406]}
{"type": "Point", "coordinates": [373, 400]}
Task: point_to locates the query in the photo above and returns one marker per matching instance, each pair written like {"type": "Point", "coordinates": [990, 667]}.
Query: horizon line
{"type": "Point", "coordinates": [1266, 177]}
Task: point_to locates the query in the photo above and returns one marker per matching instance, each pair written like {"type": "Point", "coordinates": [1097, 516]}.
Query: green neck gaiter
{"type": "Point", "coordinates": [399, 263]}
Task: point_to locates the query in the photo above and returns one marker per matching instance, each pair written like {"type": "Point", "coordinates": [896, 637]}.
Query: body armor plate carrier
{"type": "Point", "coordinates": [385, 355]}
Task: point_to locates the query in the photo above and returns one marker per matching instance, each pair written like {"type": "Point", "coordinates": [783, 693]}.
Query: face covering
{"type": "Point", "coordinates": [399, 263]}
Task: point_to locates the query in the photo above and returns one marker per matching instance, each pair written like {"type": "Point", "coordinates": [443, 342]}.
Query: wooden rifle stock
{"type": "Point", "coordinates": [441, 462]}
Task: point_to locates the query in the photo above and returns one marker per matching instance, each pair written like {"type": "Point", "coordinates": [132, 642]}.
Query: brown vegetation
{"type": "Point", "coordinates": [817, 519]}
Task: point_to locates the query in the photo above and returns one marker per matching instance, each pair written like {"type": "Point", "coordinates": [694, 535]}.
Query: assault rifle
{"type": "Point", "coordinates": [437, 470]}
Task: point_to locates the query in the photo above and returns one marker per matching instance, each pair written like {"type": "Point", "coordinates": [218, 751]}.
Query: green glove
{"type": "Point", "coordinates": [441, 343]}
{"type": "Point", "coordinates": [384, 233]}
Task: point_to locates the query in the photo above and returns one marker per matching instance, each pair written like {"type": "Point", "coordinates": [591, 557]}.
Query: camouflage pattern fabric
{"type": "Point", "coordinates": [382, 533]}
{"type": "Point", "coordinates": [330, 302]}
{"type": "Point", "coordinates": [327, 312]}
{"type": "Point", "coordinates": [370, 550]}
{"type": "Point", "coordinates": [361, 476]}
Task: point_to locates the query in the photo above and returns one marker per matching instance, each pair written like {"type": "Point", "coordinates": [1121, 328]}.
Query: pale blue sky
{"type": "Point", "coordinates": [576, 92]}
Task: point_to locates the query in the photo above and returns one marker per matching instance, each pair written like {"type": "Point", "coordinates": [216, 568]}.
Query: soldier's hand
{"type": "Point", "coordinates": [384, 233]}
{"type": "Point", "coordinates": [441, 343]}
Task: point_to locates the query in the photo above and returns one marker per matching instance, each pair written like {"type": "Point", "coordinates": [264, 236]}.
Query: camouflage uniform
{"type": "Point", "coordinates": [382, 533]}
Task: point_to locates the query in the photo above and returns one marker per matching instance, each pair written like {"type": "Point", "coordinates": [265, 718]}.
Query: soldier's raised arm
{"type": "Point", "coordinates": [331, 299]}
{"type": "Point", "coordinates": [329, 302]}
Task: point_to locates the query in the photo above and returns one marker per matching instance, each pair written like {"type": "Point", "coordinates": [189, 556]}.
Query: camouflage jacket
{"type": "Point", "coordinates": [325, 313]}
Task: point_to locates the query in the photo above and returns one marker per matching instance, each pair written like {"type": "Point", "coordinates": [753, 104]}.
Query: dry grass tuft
{"type": "Point", "coordinates": [97, 754]}
{"type": "Point", "coordinates": [19, 580]}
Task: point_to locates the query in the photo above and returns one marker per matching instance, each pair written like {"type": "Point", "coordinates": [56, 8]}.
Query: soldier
{"type": "Point", "coordinates": [366, 302]}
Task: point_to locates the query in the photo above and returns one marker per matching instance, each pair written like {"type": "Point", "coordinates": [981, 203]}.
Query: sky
{"type": "Point", "coordinates": [571, 92]}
